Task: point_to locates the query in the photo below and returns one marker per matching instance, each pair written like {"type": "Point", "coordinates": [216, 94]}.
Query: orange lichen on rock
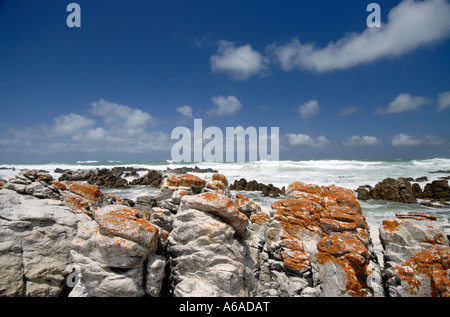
{"type": "Point", "coordinates": [240, 200]}
{"type": "Point", "coordinates": [259, 218]}
{"type": "Point", "coordinates": [77, 203]}
{"type": "Point", "coordinates": [416, 216]}
{"type": "Point", "coordinates": [296, 214]}
{"type": "Point", "coordinates": [297, 261]}
{"type": "Point", "coordinates": [306, 188]}
{"type": "Point", "coordinates": [90, 192]}
{"type": "Point", "coordinates": [220, 177]}
{"type": "Point", "coordinates": [331, 219]}
{"type": "Point", "coordinates": [221, 206]}
{"type": "Point", "coordinates": [60, 185]}
{"type": "Point", "coordinates": [433, 263]}
{"type": "Point", "coordinates": [348, 252]}
{"type": "Point", "coordinates": [390, 225]}
{"type": "Point", "coordinates": [125, 222]}
{"type": "Point", "coordinates": [186, 180]}
{"type": "Point", "coordinates": [343, 197]}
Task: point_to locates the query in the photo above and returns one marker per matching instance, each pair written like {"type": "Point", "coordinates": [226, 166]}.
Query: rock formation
{"type": "Point", "coordinates": [436, 190]}
{"type": "Point", "coordinates": [194, 238]}
{"type": "Point", "coordinates": [417, 256]}
{"type": "Point", "coordinates": [36, 239]}
{"type": "Point", "coordinates": [267, 190]}
{"type": "Point", "coordinates": [318, 244]}
{"type": "Point", "coordinates": [402, 191]}
{"type": "Point", "coordinates": [101, 177]}
{"type": "Point", "coordinates": [399, 190]}
{"type": "Point", "coordinates": [110, 250]}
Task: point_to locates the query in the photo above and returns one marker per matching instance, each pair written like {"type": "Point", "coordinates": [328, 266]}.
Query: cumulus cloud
{"type": "Point", "coordinates": [309, 109]}
{"type": "Point", "coordinates": [306, 140]}
{"type": "Point", "coordinates": [225, 105]}
{"type": "Point", "coordinates": [238, 62]}
{"type": "Point", "coordinates": [122, 129]}
{"type": "Point", "coordinates": [410, 25]}
{"type": "Point", "coordinates": [409, 140]}
{"type": "Point", "coordinates": [361, 141]}
{"type": "Point", "coordinates": [404, 102]}
{"type": "Point", "coordinates": [115, 113]}
{"type": "Point", "coordinates": [71, 123]}
{"type": "Point", "coordinates": [185, 111]}
{"type": "Point", "coordinates": [443, 101]}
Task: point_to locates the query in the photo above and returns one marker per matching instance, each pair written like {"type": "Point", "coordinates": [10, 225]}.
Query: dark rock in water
{"type": "Point", "coordinates": [103, 177]}
{"type": "Point", "coordinates": [267, 190]}
{"type": "Point", "coordinates": [399, 190]}
{"type": "Point", "coordinates": [421, 179]}
{"type": "Point", "coordinates": [184, 170]}
{"type": "Point", "coordinates": [7, 168]}
{"type": "Point", "coordinates": [152, 178]}
{"type": "Point", "coordinates": [429, 204]}
{"type": "Point", "coordinates": [440, 172]}
{"type": "Point", "coordinates": [438, 189]}
{"type": "Point", "coordinates": [417, 190]}
{"type": "Point", "coordinates": [363, 193]}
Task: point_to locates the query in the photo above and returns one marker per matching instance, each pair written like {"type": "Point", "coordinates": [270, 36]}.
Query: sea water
{"type": "Point", "coordinates": [345, 173]}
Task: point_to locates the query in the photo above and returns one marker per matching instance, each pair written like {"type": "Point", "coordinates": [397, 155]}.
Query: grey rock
{"type": "Point", "coordinates": [35, 249]}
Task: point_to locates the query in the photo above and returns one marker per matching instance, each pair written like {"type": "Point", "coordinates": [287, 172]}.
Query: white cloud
{"type": "Point", "coordinates": [410, 25]}
{"type": "Point", "coordinates": [361, 141]}
{"type": "Point", "coordinates": [404, 102]}
{"type": "Point", "coordinates": [306, 140]}
{"type": "Point", "coordinates": [238, 62]}
{"type": "Point", "coordinates": [225, 105]}
{"type": "Point", "coordinates": [309, 109]}
{"type": "Point", "coordinates": [408, 140]}
{"type": "Point", "coordinates": [113, 113]}
{"type": "Point", "coordinates": [348, 111]}
{"type": "Point", "coordinates": [405, 140]}
{"type": "Point", "coordinates": [185, 111]}
{"type": "Point", "coordinates": [71, 123]}
{"type": "Point", "coordinates": [124, 130]}
{"type": "Point", "coordinates": [443, 101]}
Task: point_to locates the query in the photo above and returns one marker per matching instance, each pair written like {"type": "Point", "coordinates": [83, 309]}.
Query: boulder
{"type": "Point", "coordinates": [399, 190]}
{"type": "Point", "coordinates": [426, 273]}
{"type": "Point", "coordinates": [110, 252]}
{"type": "Point", "coordinates": [35, 248]}
{"type": "Point", "coordinates": [207, 260]}
{"type": "Point", "coordinates": [218, 205]}
{"type": "Point", "coordinates": [152, 178]}
{"type": "Point", "coordinates": [363, 193]}
{"type": "Point", "coordinates": [267, 190]}
{"type": "Point", "coordinates": [101, 177]}
{"type": "Point", "coordinates": [415, 255]}
{"type": "Point", "coordinates": [438, 189]}
{"type": "Point", "coordinates": [318, 243]}
{"type": "Point", "coordinates": [34, 183]}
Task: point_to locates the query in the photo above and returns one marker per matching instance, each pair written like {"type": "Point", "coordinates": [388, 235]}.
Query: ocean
{"type": "Point", "coordinates": [345, 173]}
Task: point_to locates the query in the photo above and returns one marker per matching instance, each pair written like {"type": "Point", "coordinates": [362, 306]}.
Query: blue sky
{"type": "Point", "coordinates": [117, 86]}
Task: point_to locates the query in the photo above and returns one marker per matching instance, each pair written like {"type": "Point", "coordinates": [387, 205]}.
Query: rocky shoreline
{"type": "Point", "coordinates": [196, 238]}
{"type": "Point", "coordinates": [435, 194]}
